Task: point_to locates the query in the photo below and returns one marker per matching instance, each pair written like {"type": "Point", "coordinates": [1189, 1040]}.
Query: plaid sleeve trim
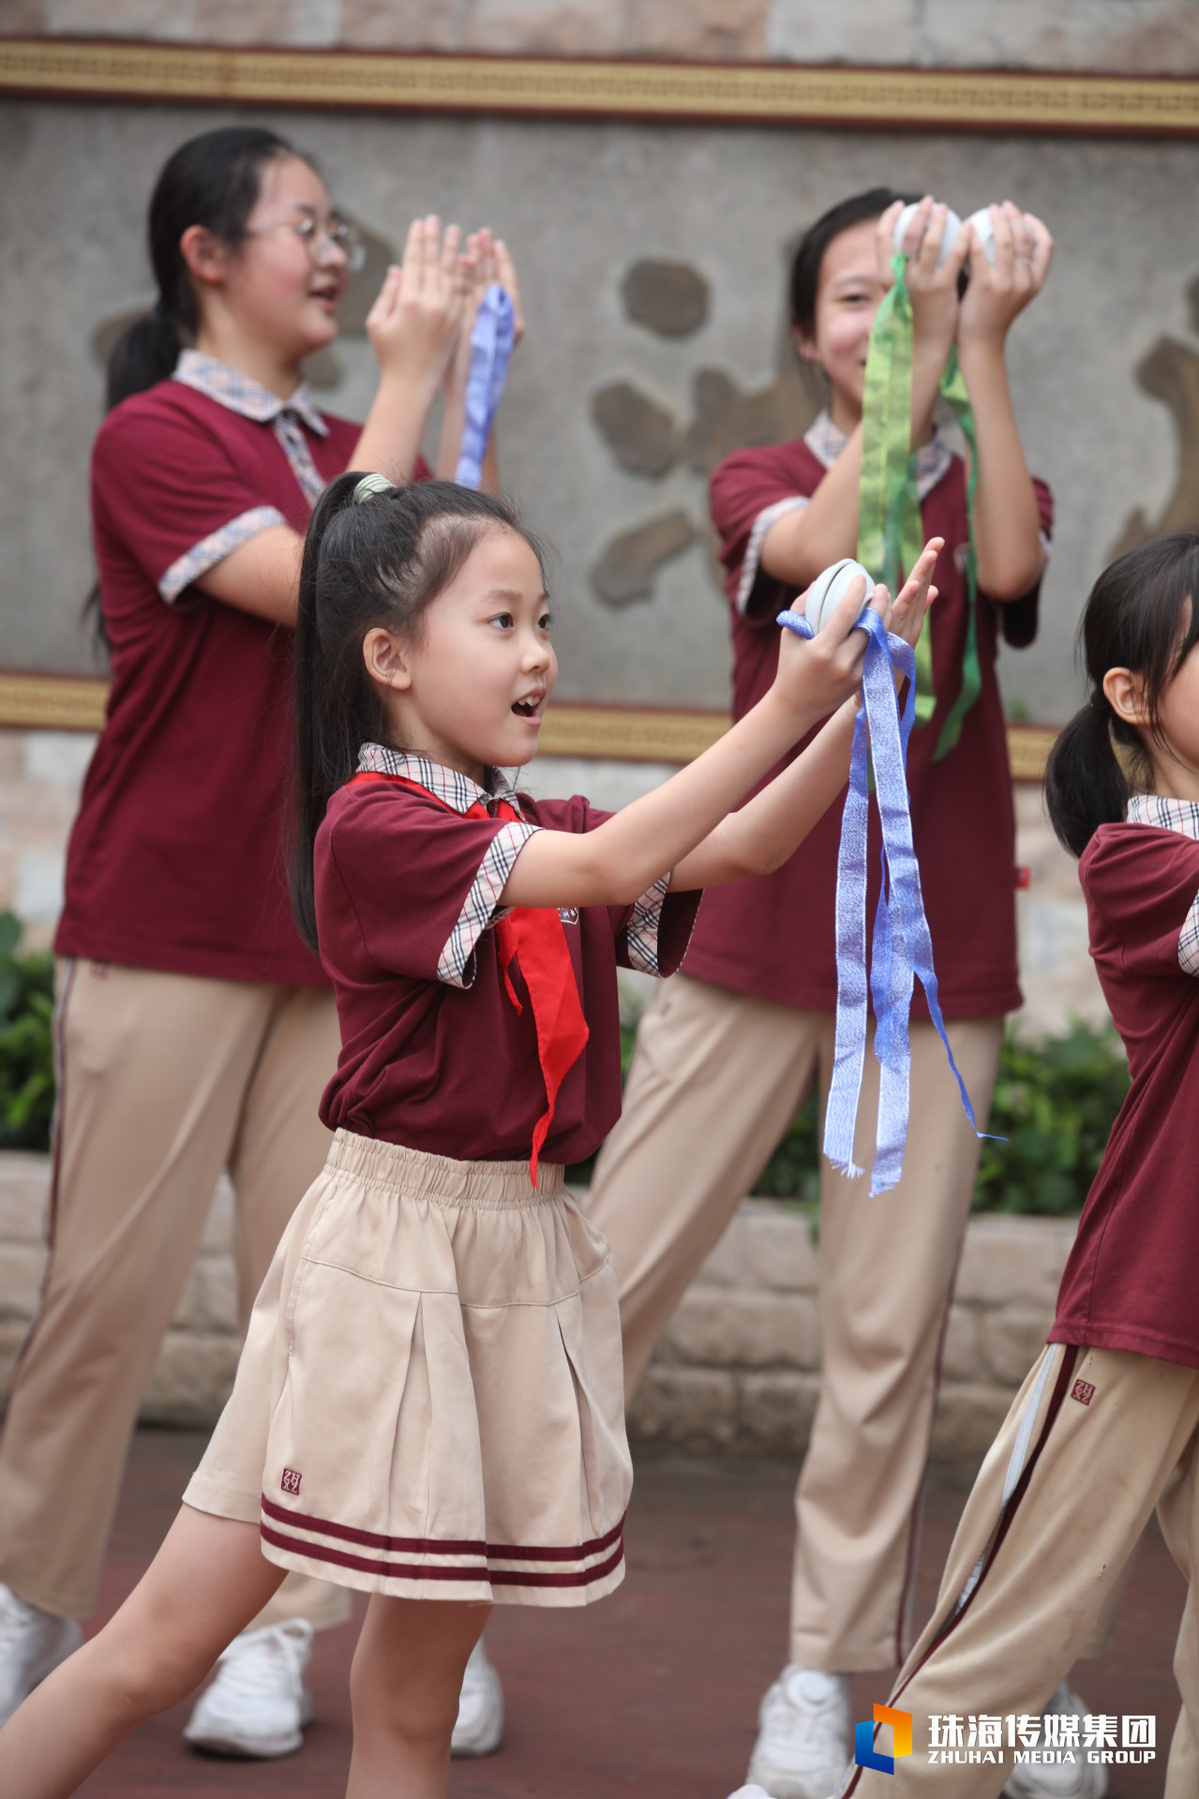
{"type": "Point", "coordinates": [641, 933]}
{"type": "Point", "coordinates": [1181, 816]}
{"type": "Point", "coordinates": [482, 904]}
{"type": "Point", "coordinates": [1188, 941]}
{"type": "Point", "coordinates": [214, 548]}
{"type": "Point", "coordinates": [757, 537]}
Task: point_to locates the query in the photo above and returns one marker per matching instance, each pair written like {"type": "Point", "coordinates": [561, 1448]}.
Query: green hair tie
{"type": "Point", "coordinates": [371, 485]}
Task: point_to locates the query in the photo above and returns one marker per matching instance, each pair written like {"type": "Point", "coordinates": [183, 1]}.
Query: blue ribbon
{"type": "Point", "coordinates": [491, 343]}
{"type": "Point", "coordinates": [902, 947]}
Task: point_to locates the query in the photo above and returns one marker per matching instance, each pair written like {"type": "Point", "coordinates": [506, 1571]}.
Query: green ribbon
{"type": "Point", "coordinates": [890, 527]}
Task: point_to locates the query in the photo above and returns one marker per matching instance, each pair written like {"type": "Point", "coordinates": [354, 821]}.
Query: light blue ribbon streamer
{"type": "Point", "coordinates": [902, 947]}
{"type": "Point", "coordinates": [491, 343]}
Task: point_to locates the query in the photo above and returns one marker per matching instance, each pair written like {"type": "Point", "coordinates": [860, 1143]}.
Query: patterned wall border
{"type": "Point", "coordinates": [733, 93]}
{"type": "Point", "coordinates": [42, 702]}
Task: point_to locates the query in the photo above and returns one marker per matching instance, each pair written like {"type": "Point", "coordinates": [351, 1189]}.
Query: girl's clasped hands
{"type": "Point", "coordinates": [997, 290]}
{"type": "Point", "coordinates": [420, 325]}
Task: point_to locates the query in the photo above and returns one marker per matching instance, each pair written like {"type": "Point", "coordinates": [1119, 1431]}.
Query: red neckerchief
{"type": "Point", "coordinates": [535, 937]}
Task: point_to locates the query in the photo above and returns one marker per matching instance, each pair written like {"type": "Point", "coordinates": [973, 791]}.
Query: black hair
{"type": "Point", "coordinates": [212, 180]}
{"type": "Point", "coordinates": [380, 561]}
{"type": "Point", "coordinates": [1141, 615]}
{"type": "Point", "coordinates": [805, 266]}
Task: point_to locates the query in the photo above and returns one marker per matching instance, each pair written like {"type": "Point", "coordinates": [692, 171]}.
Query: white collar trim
{"type": "Point", "coordinates": [229, 387]}
{"type": "Point", "coordinates": [933, 459]}
{"type": "Point", "coordinates": [446, 784]}
{"type": "Point", "coordinates": [1167, 815]}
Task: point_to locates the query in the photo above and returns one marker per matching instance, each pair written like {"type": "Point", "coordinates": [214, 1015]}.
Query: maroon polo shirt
{"type": "Point", "coordinates": [176, 859]}
{"type": "Point", "coordinates": [1130, 1279]}
{"type": "Point", "coordinates": [434, 1054]}
{"type": "Point", "coordinates": [773, 935]}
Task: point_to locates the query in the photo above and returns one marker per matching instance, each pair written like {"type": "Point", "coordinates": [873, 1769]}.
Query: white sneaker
{"type": "Point", "coordinates": [802, 1750]}
{"type": "Point", "coordinates": [1079, 1779]}
{"type": "Point", "coordinates": [480, 1726]}
{"type": "Point", "coordinates": [32, 1643]}
{"type": "Point", "coordinates": [258, 1704]}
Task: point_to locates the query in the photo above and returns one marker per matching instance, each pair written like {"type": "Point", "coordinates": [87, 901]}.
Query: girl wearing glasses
{"type": "Point", "coordinates": [196, 1031]}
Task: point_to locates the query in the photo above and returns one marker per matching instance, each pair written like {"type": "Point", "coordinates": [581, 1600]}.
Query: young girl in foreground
{"type": "Point", "coordinates": [1105, 1426]}
{"type": "Point", "coordinates": [429, 1403]}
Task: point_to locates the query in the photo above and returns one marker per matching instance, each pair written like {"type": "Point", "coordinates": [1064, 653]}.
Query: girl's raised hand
{"type": "Point", "coordinates": [999, 291]}
{"type": "Point", "coordinates": [505, 274]}
{"type": "Point", "coordinates": [932, 290]}
{"type": "Point", "coordinates": [916, 595]}
{"type": "Point", "coordinates": [415, 324]}
{"type": "Point", "coordinates": [491, 263]}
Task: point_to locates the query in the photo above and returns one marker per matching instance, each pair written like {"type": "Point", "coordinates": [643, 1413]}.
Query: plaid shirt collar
{"type": "Point", "coordinates": [933, 459]}
{"type": "Point", "coordinates": [229, 387]}
{"type": "Point", "coordinates": [445, 784]}
{"type": "Point", "coordinates": [1167, 815]}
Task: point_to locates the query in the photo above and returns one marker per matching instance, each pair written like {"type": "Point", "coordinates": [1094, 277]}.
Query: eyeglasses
{"type": "Point", "coordinates": [319, 238]}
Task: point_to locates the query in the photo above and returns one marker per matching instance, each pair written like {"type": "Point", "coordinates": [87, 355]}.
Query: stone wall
{"type": "Point", "coordinates": [1140, 36]}
{"type": "Point", "coordinates": [736, 1370]}
{"type": "Point", "coordinates": [614, 414]}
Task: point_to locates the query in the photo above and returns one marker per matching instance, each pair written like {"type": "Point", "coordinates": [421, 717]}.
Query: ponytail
{"type": "Point", "coordinates": [375, 555]}
{"type": "Point", "coordinates": [212, 180]}
{"type": "Point", "coordinates": [1085, 786]}
{"type": "Point", "coordinates": [1141, 615]}
{"type": "Point", "coordinates": [334, 712]}
{"type": "Point", "coordinates": [143, 355]}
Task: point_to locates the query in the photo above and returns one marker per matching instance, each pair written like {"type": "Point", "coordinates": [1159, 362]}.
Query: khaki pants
{"type": "Point", "coordinates": [164, 1080]}
{"type": "Point", "coordinates": [716, 1081]}
{"type": "Point", "coordinates": [1109, 1435]}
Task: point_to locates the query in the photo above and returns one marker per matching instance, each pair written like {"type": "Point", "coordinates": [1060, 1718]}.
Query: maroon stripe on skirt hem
{"type": "Point", "coordinates": [504, 1552]}
{"type": "Point", "coordinates": [500, 1577]}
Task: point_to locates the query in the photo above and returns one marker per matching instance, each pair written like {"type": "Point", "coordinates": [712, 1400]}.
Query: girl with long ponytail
{"type": "Point", "coordinates": [196, 1029]}
{"type": "Point", "coordinates": [1106, 1426]}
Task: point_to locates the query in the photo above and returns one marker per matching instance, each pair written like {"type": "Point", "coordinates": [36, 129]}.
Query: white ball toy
{"type": "Point", "coordinates": [984, 231]}
{"type": "Point", "coordinates": [949, 238]}
{"type": "Point", "coordinates": [828, 589]}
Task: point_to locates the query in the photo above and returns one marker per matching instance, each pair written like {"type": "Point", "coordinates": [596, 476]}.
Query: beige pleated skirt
{"type": "Point", "coordinates": [429, 1402]}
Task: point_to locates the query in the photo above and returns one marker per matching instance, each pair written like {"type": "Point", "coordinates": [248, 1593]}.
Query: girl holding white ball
{"type": "Point", "coordinates": [746, 1030]}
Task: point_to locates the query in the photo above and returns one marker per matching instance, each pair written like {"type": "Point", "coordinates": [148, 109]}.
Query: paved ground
{"type": "Point", "coordinates": [651, 1694]}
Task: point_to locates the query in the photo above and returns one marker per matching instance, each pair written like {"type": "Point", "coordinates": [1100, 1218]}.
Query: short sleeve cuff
{"type": "Point", "coordinates": [1188, 941]}
{"type": "Point", "coordinates": [757, 537]}
{"type": "Point", "coordinates": [482, 903]}
{"type": "Point", "coordinates": [215, 547]}
{"type": "Point", "coordinates": [659, 931]}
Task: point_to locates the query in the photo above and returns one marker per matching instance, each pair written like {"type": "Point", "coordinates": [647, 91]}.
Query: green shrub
{"type": "Point", "coordinates": [1055, 1102]}
{"type": "Point", "coordinates": [26, 1042]}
